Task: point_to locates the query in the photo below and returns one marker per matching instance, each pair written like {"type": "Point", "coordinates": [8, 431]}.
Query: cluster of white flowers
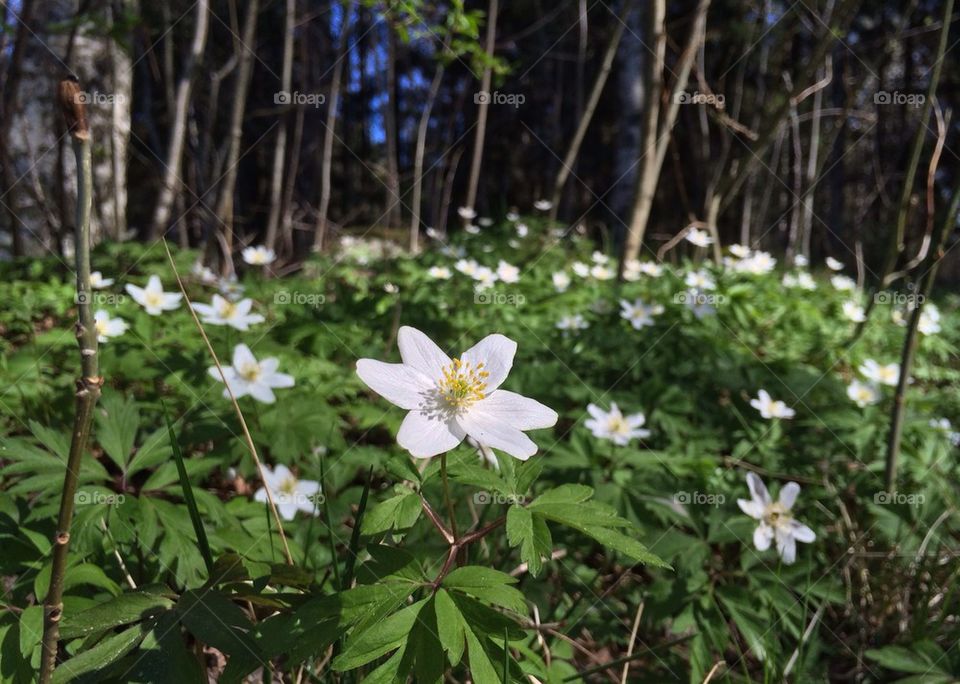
{"type": "Point", "coordinates": [572, 323]}
{"type": "Point", "coordinates": [638, 313]}
{"type": "Point", "coordinates": [868, 393]}
{"type": "Point", "coordinates": [748, 261]}
{"type": "Point", "coordinates": [633, 269]}
{"type": "Point", "coordinates": [929, 323]}
{"type": "Point", "coordinates": [843, 283]}
{"type": "Point", "coordinates": [801, 280]}
{"type": "Point", "coordinates": [485, 276]}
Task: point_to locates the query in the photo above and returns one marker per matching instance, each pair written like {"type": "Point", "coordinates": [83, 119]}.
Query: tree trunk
{"type": "Point", "coordinates": [280, 147]}
{"type": "Point", "coordinates": [483, 104]}
{"type": "Point", "coordinates": [228, 186]}
{"type": "Point", "coordinates": [392, 212]}
{"type": "Point", "coordinates": [178, 131]}
{"type": "Point", "coordinates": [418, 157]}
{"type": "Point", "coordinates": [329, 126]}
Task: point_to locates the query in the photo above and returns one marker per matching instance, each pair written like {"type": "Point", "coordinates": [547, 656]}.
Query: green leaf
{"type": "Point", "coordinates": [531, 534]}
{"type": "Point", "coordinates": [904, 659]}
{"type": "Point", "coordinates": [487, 585]}
{"type": "Point", "coordinates": [122, 610]}
{"type": "Point", "coordinates": [215, 620]}
{"type": "Point", "coordinates": [451, 627]}
{"type": "Point", "coordinates": [108, 651]}
{"type": "Point", "coordinates": [189, 499]}
{"type": "Point", "coordinates": [117, 422]}
{"type": "Point", "coordinates": [378, 639]}
{"type": "Point", "coordinates": [399, 512]}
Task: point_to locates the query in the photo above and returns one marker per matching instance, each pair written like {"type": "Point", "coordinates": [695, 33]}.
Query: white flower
{"type": "Point", "coordinates": [467, 267]}
{"type": "Point", "coordinates": [289, 493]}
{"type": "Point", "coordinates": [508, 273]}
{"type": "Point", "coordinates": [472, 229]}
{"type": "Point", "coordinates": [929, 323]}
{"type": "Point", "coordinates": [757, 263]}
{"type": "Point", "coordinates": [224, 312]}
{"type": "Point", "coordinates": [639, 314]}
{"type": "Point", "coordinates": [204, 273]}
{"type": "Point", "coordinates": [512, 216]}
{"type": "Point", "coordinates": [863, 393]}
{"type": "Point", "coordinates": [883, 375]}
{"type": "Point", "coordinates": [699, 303]}
{"type": "Point", "coordinates": [230, 288]}
{"type": "Point", "coordinates": [450, 399]}
{"type": "Point", "coordinates": [834, 265]}
{"type": "Point", "coordinates": [467, 213]}
{"type": "Point", "coordinates": [771, 408]}
{"type": "Point", "coordinates": [98, 282]}
{"type": "Point", "coordinates": [258, 256]}
{"type": "Point", "coordinates": [439, 272]}
{"type": "Point", "coordinates": [574, 322]}
{"type": "Point", "coordinates": [543, 205]}
{"type": "Point", "coordinates": [247, 376]}
{"type": "Point", "coordinates": [802, 280]}
{"type": "Point", "coordinates": [433, 233]}
{"type": "Point", "coordinates": [485, 278]}
{"type": "Point", "coordinates": [522, 230]}
{"type": "Point", "coordinates": [561, 281]}
{"type": "Point", "coordinates": [775, 518]}
{"type": "Point", "coordinates": [651, 269]}
{"type": "Point", "coordinates": [391, 288]}
{"type": "Point", "coordinates": [854, 312]}
{"type": "Point", "coordinates": [601, 272]}
{"type": "Point", "coordinates": [614, 426]}
{"type": "Point", "coordinates": [740, 251]}
{"type": "Point", "coordinates": [842, 282]}
{"type": "Point", "coordinates": [631, 270]}
{"type": "Point", "coordinates": [108, 327]}
{"type": "Point", "coordinates": [700, 238]}
{"type": "Point", "coordinates": [485, 222]}
{"type": "Point", "coordinates": [600, 258]}
{"type": "Point", "coordinates": [580, 268]}
{"type": "Point", "coordinates": [153, 298]}
{"type": "Point", "coordinates": [800, 261]}
{"type": "Point", "coordinates": [700, 280]}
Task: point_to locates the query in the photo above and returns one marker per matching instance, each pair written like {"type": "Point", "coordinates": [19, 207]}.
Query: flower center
{"type": "Point", "coordinates": [227, 310]}
{"type": "Point", "coordinates": [776, 515]}
{"type": "Point", "coordinates": [617, 425]}
{"type": "Point", "coordinates": [249, 372]}
{"type": "Point", "coordinates": [153, 298]}
{"type": "Point", "coordinates": [462, 384]}
{"type": "Point", "coordinates": [288, 487]}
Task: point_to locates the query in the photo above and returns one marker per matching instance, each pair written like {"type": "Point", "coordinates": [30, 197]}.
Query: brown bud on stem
{"type": "Point", "coordinates": [74, 109]}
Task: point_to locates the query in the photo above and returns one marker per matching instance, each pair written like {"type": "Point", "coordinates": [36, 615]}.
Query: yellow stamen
{"type": "Point", "coordinates": [463, 384]}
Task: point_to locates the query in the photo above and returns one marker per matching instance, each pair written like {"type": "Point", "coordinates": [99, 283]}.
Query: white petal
{"type": "Point", "coordinates": [420, 352]}
{"type": "Point", "coordinates": [596, 411]}
{"type": "Point", "coordinates": [396, 382]}
{"type": "Point", "coordinates": [758, 490]}
{"type": "Point", "coordinates": [227, 371]}
{"type": "Point", "coordinates": [426, 434]}
{"type": "Point", "coordinates": [786, 547]}
{"type": "Point", "coordinates": [762, 536]}
{"type": "Point", "coordinates": [135, 292]}
{"type": "Point", "coordinates": [278, 380]}
{"type": "Point", "coordinates": [788, 494]}
{"type": "Point", "coordinates": [261, 392]}
{"type": "Point", "coordinates": [242, 356]}
{"type": "Point", "coordinates": [205, 310]}
{"type": "Point", "coordinates": [308, 487]}
{"type": "Point", "coordinates": [287, 508]}
{"type": "Point", "coordinates": [260, 495]}
{"type": "Point", "coordinates": [801, 532]}
{"type": "Point", "coordinates": [496, 353]}
{"type": "Point", "coordinates": [517, 410]}
{"type": "Point", "coordinates": [274, 478]}
{"type": "Point", "coordinates": [488, 430]}
{"type": "Point", "coordinates": [154, 284]}
{"type": "Point", "coordinates": [752, 508]}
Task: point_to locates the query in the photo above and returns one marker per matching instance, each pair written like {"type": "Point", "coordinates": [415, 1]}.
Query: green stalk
{"type": "Point", "coordinates": [88, 386]}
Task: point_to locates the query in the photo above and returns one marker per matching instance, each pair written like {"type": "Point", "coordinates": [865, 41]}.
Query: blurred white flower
{"type": "Point", "coordinates": [639, 314]}
{"type": "Point", "coordinates": [844, 283]}
{"type": "Point", "coordinates": [601, 272]}
{"type": "Point", "coordinates": [834, 265]}
{"type": "Point", "coordinates": [800, 261]}
{"type": "Point", "coordinates": [153, 298]}
{"type": "Point", "coordinates": [854, 312]}
{"type": "Point", "coordinates": [98, 282]}
{"type": "Point", "coordinates": [249, 377]}
{"type": "Point", "coordinates": [883, 375]}
{"type": "Point", "coordinates": [600, 258]}
{"type": "Point", "coordinates": [771, 408]}
{"type": "Point", "coordinates": [472, 229]}
{"type": "Point", "coordinates": [863, 393]}
{"type": "Point", "coordinates": [485, 278]}
{"type": "Point", "coordinates": [485, 222]}
{"type": "Point", "coordinates": [758, 263]}
{"type": "Point", "coordinates": [522, 230]}
{"type": "Point", "coordinates": [108, 327]}
{"type": "Point", "coordinates": [699, 303]}
{"type": "Point", "coordinates": [573, 322]}
{"type": "Point", "coordinates": [543, 205]}
{"type": "Point", "coordinates": [512, 216]}
{"type": "Point", "coordinates": [230, 287]}
{"type": "Point", "coordinates": [450, 399]}
{"type": "Point", "coordinates": [258, 256]}
{"type": "Point", "coordinates": [944, 426]}
{"type": "Point", "coordinates": [224, 312]}
{"type": "Point", "coordinates": [204, 273]}
{"type": "Point", "coordinates": [929, 323]}
{"type": "Point", "coordinates": [508, 273]}
{"type": "Point", "coordinates": [612, 425]}
{"type": "Point", "coordinates": [700, 238]}
{"type": "Point", "coordinates": [802, 280]}
{"type": "Point", "coordinates": [700, 280]}
{"type": "Point", "coordinates": [580, 268]}
{"type": "Point", "coordinates": [439, 272]}
{"type": "Point", "coordinates": [561, 281]}
{"type": "Point", "coordinates": [467, 213]}
{"type": "Point", "coordinates": [775, 519]}
{"type": "Point", "coordinates": [290, 494]}
{"type": "Point", "coordinates": [467, 267]}
{"type": "Point", "coordinates": [391, 288]}
{"type": "Point", "coordinates": [740, 251]}
{"type": "Point", "coordinates": [650, 269]}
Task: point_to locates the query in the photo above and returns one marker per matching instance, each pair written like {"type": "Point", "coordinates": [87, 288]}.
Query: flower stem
{"type": "Point", "coordinates": [446, 496]}
{"type": "Point", "coordinates": [88, 386]}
